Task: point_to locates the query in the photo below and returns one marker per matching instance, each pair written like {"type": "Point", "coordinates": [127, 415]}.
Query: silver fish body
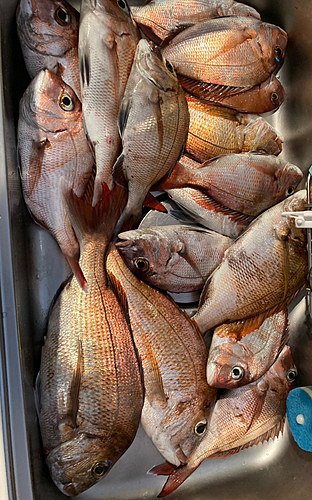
{"type": "Point", "coordinates": [242, 352]}
{"type": "Point", "coordinates": [153, 122]}
{"type": "Point", "coordinates": [48, 33]}
{"type": "Point", "coordinates": [90, 389]}
{"type": "Point", "coordinates": [51, 145]}
{"type": "Point", "coordinates": [264, 269]}
{"type": "Point", "coordinates": [107, 42]}
{"type": "Point", "coordinates": [204, 210]}
{"type": "Point", "coordinates": [173, 258]}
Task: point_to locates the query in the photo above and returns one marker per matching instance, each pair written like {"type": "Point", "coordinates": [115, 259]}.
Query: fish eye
{"type": "Point", "coordinates": [200, 427]}
{"type": "Point", "coordinates": [66, 103]}
{"type": "Point", "coordinates": [62, 17]}
{"type": "Point", "coordinates": [100, 468]}
{"type": "Point", "coordinates": [237, 373]}
{"type": "Point", "coordinates": [141, 264]}
{"type": "Point", "coordinates": [291, 374]}
{"type": "Point", "coordinates": [290, 191]}
{"type": "Point", "coordinates": [274, 98]}
{"type": "Point", "coordinates": [122, 4]}
{"type": "Point", "coordinates": [169, 66]}
{"type": "Point", "coordinates": [278, 51]}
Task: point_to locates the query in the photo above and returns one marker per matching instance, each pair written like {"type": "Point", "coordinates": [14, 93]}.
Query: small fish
{"type": "Point", "coordinates": [153, 122]}
{"type": "Point", "coordinates": [242, 352]}
{"type": "Point", "coordinates": [178, 401]}
{"type": "Point", "coordinates": [263, 98]}
{"type": "Point", "coordinates": [90, 392]}
{"type": "Point", "coordinates": [248, 183]}
{"type": "Point", "coordinates": [51, 145]}
{"type": "Point", "coordinates": [173, 258]}
{"type": "Point", "coordinates": [108, 37]}
{"type": "Point", "coordinates": [48, 33]}
{"type": "Point", "coordinates": [159, 18]}
{"type": "Point", "coordinates": [264, 269]}
{"type": "Point", "coordinates": [207, 212]}
{"type": "Point", "coordinates": [231, 53]}
{"type": "Point", "coordinates": [241, 418]}
{"type": "Point", "coordinates": [216, 131]}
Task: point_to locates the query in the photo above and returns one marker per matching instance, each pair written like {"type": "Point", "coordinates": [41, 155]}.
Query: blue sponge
{"type": "Point", "coordinates": [299, 413]}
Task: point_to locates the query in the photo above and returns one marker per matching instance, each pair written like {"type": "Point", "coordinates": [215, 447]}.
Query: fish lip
{"type": "Point", "coordinates": [123, 244]}
{"type": "Point", "coordinates": [212, 373]}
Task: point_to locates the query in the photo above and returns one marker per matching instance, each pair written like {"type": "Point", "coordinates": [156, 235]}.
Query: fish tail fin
{"type": "Point", "coordinates": [175, 479]}
{"type": "Point", "coordinates": [128, 220]}
{"type": "Point", "coordinates": [179, 177]}
{"type": "Point", "coordinates": [101, 219]}
{"type": "Point", "coordinates": [152, 202]}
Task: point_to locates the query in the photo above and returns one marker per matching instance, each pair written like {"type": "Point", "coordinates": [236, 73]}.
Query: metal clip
{"type": "Point", "coordinates": [303, 220]}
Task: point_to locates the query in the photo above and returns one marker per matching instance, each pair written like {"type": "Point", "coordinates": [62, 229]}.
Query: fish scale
{"type": "Point", "coordinates": [90, 387]}
{"type": "Point", "coordinates": [163, 17]}
{"type": "Point", "coordinates": [264, 269]}
{"type": "Point", "coordinates": [232, 51]}
{"type": "Point", "coordinates": [173, 361]}
{"type": "Point", "coordinates": [47, 42]}
{"type": "Point", "coordinates": [107, 41]}
{"type": "Point", "coordinates": [51, 145]}
{"type": "Point", "coordinates": [241, 418]}
{"type": "Point", "coordinates": [180, 258]}
{"type": "Point", "coordinates": [215, 130]}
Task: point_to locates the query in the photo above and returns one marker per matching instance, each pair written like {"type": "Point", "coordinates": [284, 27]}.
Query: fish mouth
{"type": "Point", "coordinates": [213, 372]}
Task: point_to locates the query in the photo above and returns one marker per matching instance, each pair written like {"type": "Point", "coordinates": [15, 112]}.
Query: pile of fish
{"type": "Point", "coordinates": [166, 97]}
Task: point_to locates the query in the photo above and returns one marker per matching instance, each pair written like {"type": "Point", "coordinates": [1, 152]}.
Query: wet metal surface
{"type": "Point", "coordinates": [32, 269]}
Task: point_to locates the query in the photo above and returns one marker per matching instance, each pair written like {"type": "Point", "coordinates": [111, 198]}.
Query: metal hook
{"type": "Point", "coordinates": [309, 247]}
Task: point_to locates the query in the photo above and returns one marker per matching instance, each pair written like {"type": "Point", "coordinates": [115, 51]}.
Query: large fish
{"type": "Point", "coordinates": [153, 122]}
{"type": "Point", "coordinates": [232, 52]}
{"type": "Point", "coordinates": [159, 18]}
{"type": "Point", "coordinates": [51, 145]}
{"type": "Point", "coordinates": [173, 258]}
{"type": "Point", "coordinates": [242, 352]}
{"type": "Point", "coordinates": [248, 183]}
{"type": "Point", "coordinates": [178, 400]}
{"type": "Point", "coordinates": [241, 418]}
{"type": "Point", "coordinates": [207, 212]}
{"type": "Point", "coordinates": [90, 392]}
{"type": "Point", "coordinates": [263, 98]}
{"type": "Point", "coordinates": [215, 130]}
{"type": "Point", "coordinates": [262, 270]}
{"type": "Point", "coordinates": [107, 42]}
{"type": "Point", "coordinates": [48, 33]}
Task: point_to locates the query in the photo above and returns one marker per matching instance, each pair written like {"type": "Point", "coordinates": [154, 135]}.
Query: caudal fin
{"type": "Point", "coordinates": [175, 479]}
{"type": "Point", "coordinates": [101, 219]}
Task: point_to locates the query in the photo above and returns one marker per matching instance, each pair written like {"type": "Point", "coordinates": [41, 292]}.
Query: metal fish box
{"type": "Point", "coordinates": [32, 269]}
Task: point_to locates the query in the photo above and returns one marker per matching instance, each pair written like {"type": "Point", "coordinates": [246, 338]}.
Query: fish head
{"type": "Point", "coordinates": [288, 177]}
{"type": "Point", "coordinates": [154, 67]}
{"type": "Point", "coordinates": [273, 41]}
{"type": "Point", "coordinates": [78, 464]}
{"type": "Point", "coordinates": [144, 252]}
{"type": "Point", "coordinates": [282, 375]}
{"type": "Point", "coordinates": [115, 14]}
{"type": "Point", "coordinates": [238, 9]}
{"type": "Point", "coordinates": [50, 104]}
{"type": "Point", "coordinates": [184, 426]}
{"type": "Point", "coordinates": [228, 363]}
{"type": "Point", "coordinates": [261, 136]}
{"type": "Point", "coordinates": [296, 235]}
{"type": "Point", "coordinates": [52, 25]}
{"type": "Point", "coordinates": [272, 92]}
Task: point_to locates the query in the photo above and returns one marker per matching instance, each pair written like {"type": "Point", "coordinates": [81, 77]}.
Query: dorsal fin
{"type": "Point", "coordinates": [271, 433]}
